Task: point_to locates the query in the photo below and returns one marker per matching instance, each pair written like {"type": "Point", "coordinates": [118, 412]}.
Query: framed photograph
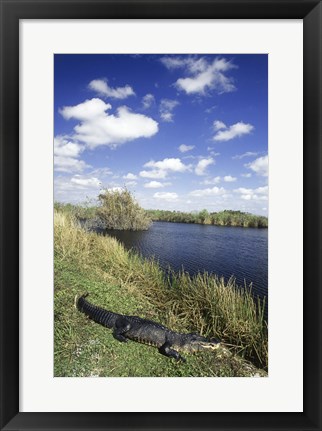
{"type": "Point", "coordinates": [160, 215]}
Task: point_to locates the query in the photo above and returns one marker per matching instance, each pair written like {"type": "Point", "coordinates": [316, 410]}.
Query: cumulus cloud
{"type": "Point", "coordinates": [166, 109]}
{"type": "Point", "coordinates": [219, 125]}
{"type": "Point", "coordinates": [86, 182]}
{"type": "Point", "coordinates": [97, 127]}
{"type": "Point", "coordinates": [153, 173]}
{"type": "Point", "coordinates": [162, 168]}
{"type": "Point", "coordinates": [234, 131]}
{"type": "Point", "coordinates": [169, 164]}
{"type": "Point", "coordinates": [66, 155]}
{"type": "Point", "coordinates": [260, 166]}
{"type": "Point", "coordinates": [202, 165]}
{"type": "Point", "coordinates": [101, 87]}
{"type": "Point", "coordinates": [258, 194]}
{"type": "Point", "coordinates": [155, 185]}
{"type": "Point", "coordinates": [148, 100]}
{"type": "Point", "coordinates": [184, 148]}
{"type": "Point", "coordinates": [214, 191]}
{"type": "Point", "coordinates": [167, 196]}
{"type": "Point", "coordinates": [203, 76]}
{"type": "Point", "coordinates": [85, 111]}
{"type": "Point", "coordinates": [248, 175]}
{"type": "Point", "coordinates": [229, 179]}
{"type": "Point", "coordinates": [63, 147]}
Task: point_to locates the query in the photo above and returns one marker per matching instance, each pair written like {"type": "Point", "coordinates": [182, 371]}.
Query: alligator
{"type": "Point", "coordinates": [146, 331]}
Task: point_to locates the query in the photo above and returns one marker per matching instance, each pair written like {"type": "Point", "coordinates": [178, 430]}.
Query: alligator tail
{"type": "Point", "coordinates": [98, 314]}
{"type": "Point", "coordinates": [80, 301]}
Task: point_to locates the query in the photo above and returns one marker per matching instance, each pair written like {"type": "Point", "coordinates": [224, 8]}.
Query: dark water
{"type": "Point", "coordinates": [225, 251]}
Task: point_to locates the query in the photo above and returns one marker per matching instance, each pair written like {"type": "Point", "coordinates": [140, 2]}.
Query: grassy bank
{"type": "Point", "coordinates": [123, 282]}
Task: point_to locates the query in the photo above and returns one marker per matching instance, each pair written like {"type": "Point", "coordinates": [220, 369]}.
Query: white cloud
{"type": "Point", "coordinates": [69, 164]}
{"type": "Point", "coordinates": [167, 117]}
{"type": "Point", "coordinates": [130, 176]}
{"type": "Point", "coordinates": [229, 179]}
{"type": "Point", "coordinates": [235, 131]}
{"type": "Point", "coordinates": [168, 164]}
{"type": "Point", "coordinates": [260, 166]}
{"type": "Point", "coordinates": [262, 190]}
{"type": "Point", "coordinates": [219, 125]}
{"type": "Point", "coordinates": [184, 148]}
{"type": "Point", "coordinates": [205, 76]}
{"type": "Point", "coordinates": [101, 172]}
{"type": "Point", "coordinates": [154, 173]}
{"type": "Point", "coordinates": [247, 154]}
{"type": "Point", "coordinates": [167, 196]}
{"type": "Point", "coordinates": [246, 175]}
{"type": "Point", "coordinates": [243, 190]}
{"type": "Point", "coordinates": [85, 111]}
{"type": "Point", "coordinates": [103, 89]}
{"type": "Point", "coordinates": [76, 189]}
{"type": "Point", "coordinates": [65, 148]}
{"type": "Point", "coordinates": [212, 152]}
{"type": "Point", "coordinates": [192, 64]}
{"type": "Point", "coordinates": [166, 109]}
{"type": "Point", "coordinates": [161, 168]}
{"type": "Point", "coordinates": [258, 194]}
{"type": "Point", "coordinates": [155, 185]}
{"type": "Point", "coordinates": [86, 182]}
{"type": "Point", "coordinates": [202, 165]}
{"type": "Point", "coordinates": [214, 191]}
{"type": "Point", "coordinates": [97, 127]}
{"type": "Point", "coordinates": [148, 100]}
{"type": "Point", "coordinates": [66, 155]}
{"type": "Point", "coordinates": [209, 181]}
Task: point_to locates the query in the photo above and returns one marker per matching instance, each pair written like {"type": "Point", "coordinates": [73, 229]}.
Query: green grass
{"type": "Point", "coordinates": [125, 283]}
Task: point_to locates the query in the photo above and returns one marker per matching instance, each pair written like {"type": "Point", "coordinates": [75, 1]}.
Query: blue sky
{"type": "Point", "coordinates": [182, 132]}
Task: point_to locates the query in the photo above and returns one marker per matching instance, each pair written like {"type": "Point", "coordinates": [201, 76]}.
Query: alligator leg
{"type": "Point", "coordinates": [122, 326]}
{"type": "Point", "coordinates": [166, 350]}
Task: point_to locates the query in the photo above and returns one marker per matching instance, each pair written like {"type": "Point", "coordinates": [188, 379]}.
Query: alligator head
{"type": "Point", "coordinates": [195, 342]}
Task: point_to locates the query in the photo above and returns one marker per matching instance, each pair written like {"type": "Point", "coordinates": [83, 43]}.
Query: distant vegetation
{"type": "Point", "coordinates": [117, 209]}
{"type": "Point", "coordinates": [80, 212]}
{"type": "Point", "coordinates": [222, 218]}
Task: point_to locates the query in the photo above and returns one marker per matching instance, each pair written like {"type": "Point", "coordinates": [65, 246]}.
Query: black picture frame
{"type": "Point", "coordinates": [11, 12]}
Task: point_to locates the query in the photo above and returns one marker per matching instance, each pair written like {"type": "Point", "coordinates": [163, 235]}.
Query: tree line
{"type": "Point", "coordinates": [222, 218]}
{"type": "Point", "coordinates": [118, 209]}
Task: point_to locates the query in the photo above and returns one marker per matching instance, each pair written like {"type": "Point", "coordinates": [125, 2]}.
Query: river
{"type": "Point", "coordinates": [225, 251]}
